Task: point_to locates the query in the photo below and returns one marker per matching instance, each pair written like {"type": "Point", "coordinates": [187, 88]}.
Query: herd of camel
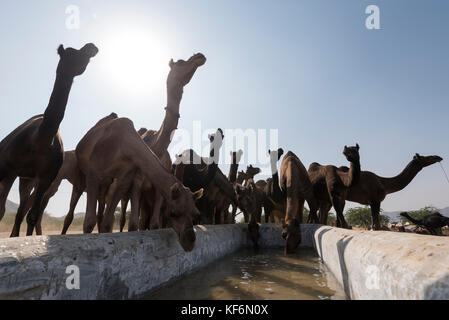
{"type": "Point", "coordinates": [115, 163]}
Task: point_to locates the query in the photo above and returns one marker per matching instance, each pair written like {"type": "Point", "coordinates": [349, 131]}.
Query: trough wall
{"type": "Point", "coordinates": [368, 265]}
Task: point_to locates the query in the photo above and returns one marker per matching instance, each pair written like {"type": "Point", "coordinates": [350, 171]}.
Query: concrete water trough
{"type": "Point", "coordinates": [368, 265]}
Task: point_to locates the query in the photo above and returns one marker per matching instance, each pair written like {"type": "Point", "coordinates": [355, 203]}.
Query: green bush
{"type": "Point", "coordinates": [361, 217]}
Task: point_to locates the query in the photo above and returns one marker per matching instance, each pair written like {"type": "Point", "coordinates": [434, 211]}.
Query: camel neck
{"type": "Point", "coordinates": [403, 179]}
{"type": "Point", "coordinates": [353, 175]}
{"type": "Point", "coordinates": [56, 107]}
{"type": "Point", "coordinates": [233, 172]}
{"type": "Point", "coordinates": [170, 123]}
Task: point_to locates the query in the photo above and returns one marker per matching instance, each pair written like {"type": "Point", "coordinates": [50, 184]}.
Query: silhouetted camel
{"type": "Point", "coordinates": [433, 222]}
{"type": "Point", "coordinates": [34, 150]}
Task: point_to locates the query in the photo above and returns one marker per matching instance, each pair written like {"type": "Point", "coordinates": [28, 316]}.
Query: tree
{"type": "Point", "coordinates": [421, 213]}
{"type": "Point", "coordinates": [361, 217]}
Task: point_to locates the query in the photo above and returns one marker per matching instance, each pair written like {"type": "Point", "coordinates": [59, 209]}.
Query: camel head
{"type": "Point", "coordinates": [181, 72]}
{"type": "Point", "coordinates": [216, 142]}
{"type": "Point", "coordinates": [74, 62]}
{"type": "Point", "coordinates": [425, 161]}
{"type": "Point", "coordinates": [292, 234]}
{"type": "Point", "coordinates": [352, 153]}
{"type": "Point", "coordinates": [276, 155]}
{"type": "Point", "coordinates": [182, 211]}
{"type": "Point", "coordinates": [236, 156]}
{"type": "Point", "coordinates": [252, 171]}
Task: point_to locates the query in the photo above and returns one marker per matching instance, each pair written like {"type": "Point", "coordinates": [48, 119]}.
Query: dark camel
{"type": "Point", "coordinates": [433, 222]}
{"type": "Point", "coordinates": [296, 185]}
{"type": "Point", "coordinates": [371, 189]}
{"type": "Point", "coordinates": [34, 150]}
{"type": "Point", "coordinates": [331, 184]}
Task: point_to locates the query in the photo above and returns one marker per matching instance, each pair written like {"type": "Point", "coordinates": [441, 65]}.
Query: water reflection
{"type": "Point", "coordinates": [247, 275]}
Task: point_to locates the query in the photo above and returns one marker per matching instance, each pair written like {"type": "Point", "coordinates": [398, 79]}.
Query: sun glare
{"type": "Point", "coordinates": [136, 61]}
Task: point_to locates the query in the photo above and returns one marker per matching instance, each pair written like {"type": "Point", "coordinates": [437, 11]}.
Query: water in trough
{"type": "Point", "coordinates": [247, 275]}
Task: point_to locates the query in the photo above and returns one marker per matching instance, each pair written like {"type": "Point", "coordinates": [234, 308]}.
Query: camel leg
{"type": "Point", "coordinates": [101, 206]}
{"type": "Point", "coordinates": [116, 192]}
{"type": "Point", "coordinates": [339, 206]}
{"type": "Point", "coordinates": [90, 219]}
{"type": "Point", "coordinates": [313, 217]}
{"type": "Point", "coordinates": [375, 211]}
{"type": "Point", "coordinates": [39, 205]}
{"type": "Point", "coordinates": [144, 214]}
{"type": "Point", "coordinates": [39, 226]}
{"type": "Point", "coordinates": [324, 212]}
{"type": "Point", "coordinates": [5, 186]}
{"type": "Point", "coordinates": [26, 201]}
{"type": "Point", "coordinates": [155, 217]}
{"type": "Point", "coordinates": [76, 195]}
{"type": "Point", "coordinates": [48, 195]}
{"type": "Point", "coordinates": [136, 196]}
{"type": "Point", "coordinates": [124, 207]}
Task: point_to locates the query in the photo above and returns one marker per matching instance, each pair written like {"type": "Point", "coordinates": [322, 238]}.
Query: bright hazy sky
{"type": "Point", "coordinates": [310, 69]}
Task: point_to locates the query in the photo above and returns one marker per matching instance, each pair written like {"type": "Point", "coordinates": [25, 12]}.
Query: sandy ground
{"type": "Point", "coordinates": [46, 233]}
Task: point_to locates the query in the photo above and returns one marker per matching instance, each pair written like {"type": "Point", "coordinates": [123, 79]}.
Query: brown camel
{"type": "Point", "coordinates": [372, 189]}
{"type": "Point", "coordinates": [34, 150]}
{"type": "Point", "coordinates": [115, 152]}
{"type": "Point", "coordinates": [274, 204]}
{"type": "Point", "coordinates": [331, 184]}
{"type": "Point", "coordinates": [295, 183]}
{"type": "Point", "coordinates": [181, 73]}
{"type": "Point", "coordinates": [69, 171]}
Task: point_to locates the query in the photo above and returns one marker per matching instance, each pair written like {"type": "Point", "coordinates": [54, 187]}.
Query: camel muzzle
{"type": "Point", "coordinates": [187, 240]}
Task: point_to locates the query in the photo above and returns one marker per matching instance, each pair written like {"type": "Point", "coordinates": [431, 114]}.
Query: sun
{"type": "Point", "coordinates": [135, 61]}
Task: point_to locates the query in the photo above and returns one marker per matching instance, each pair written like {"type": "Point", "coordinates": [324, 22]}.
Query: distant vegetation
{"type": "Point", "coordinates": [361, 217]}
{"type": "Point", "coordinates": [53, 224]}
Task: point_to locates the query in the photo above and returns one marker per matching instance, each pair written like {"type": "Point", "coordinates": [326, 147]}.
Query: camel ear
{"type": "Point", "coordinates": [240, 152]}
{"type": "Point", "coordinates": [417, 156]}
{"type": "Point", "coordinates": [269, 152]}
{"type": "Point", "coordinates": [198, 194]}
{"type": "Point", "coordinates": [357, 146]}
{"type": "Point", "coordinates": [61, 50]}
{"type": "Point", "coordinates": [175, 191]}
{"type": "Point", "coordinates": [171, 64]}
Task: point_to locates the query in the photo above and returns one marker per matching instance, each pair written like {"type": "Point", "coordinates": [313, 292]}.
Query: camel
{"type": "Point", "coordinates": [372, 189]}
{"type": "Point", "coordinates": [433, 222]}
{"type": "Point", "coordinates": [298, 188]}
{"type": "Point", "coordinates": [232, 177]}
{"type": "Point", "coordinates": [222, 201]}
{"type": "Point", "coordinates": [68, 171]}
{"type": "Point", "coordinates": [274, 204]}
{"type": "Point", "coordinates": [34, 150]}
{"type": "Point", "coordinates": [115, 152]}
{"type": "Point", "coordinates": [331, 184]}
{"type": "Point", "coordinates": [198, 172]}
{"type": "Point", "coordinates": [181, 73]}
